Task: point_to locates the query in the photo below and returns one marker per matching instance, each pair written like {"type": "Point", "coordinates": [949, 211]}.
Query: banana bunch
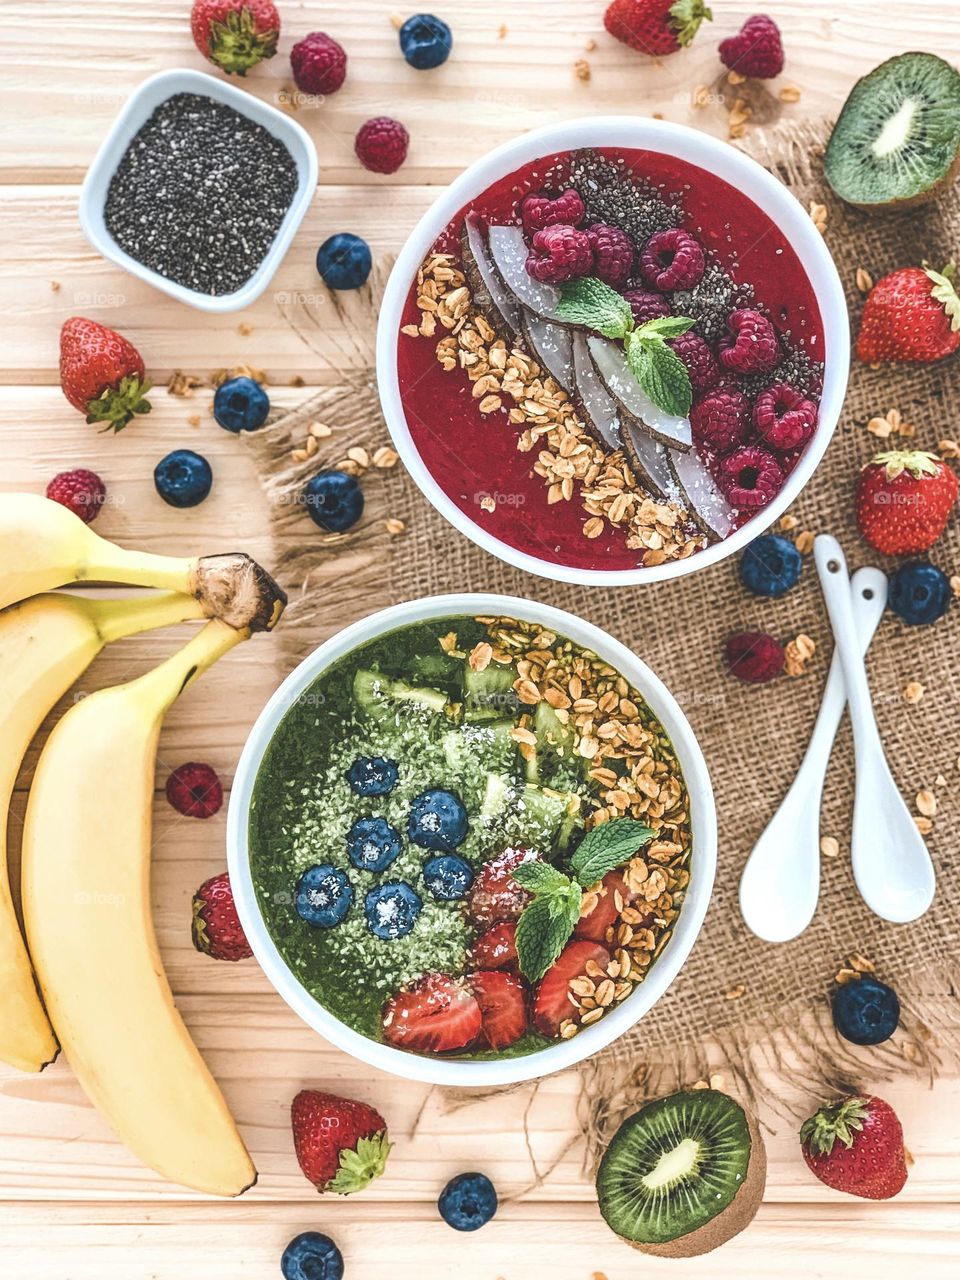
{"type": "Point", "coordinates": [87, 835]}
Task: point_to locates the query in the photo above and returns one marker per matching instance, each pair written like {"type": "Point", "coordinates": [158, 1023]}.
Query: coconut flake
{"type": "Point", "coordinates": [651, 462]}
{"type": "Point", "coordinates": [552, 345]}
{"type": "Point", "coordinates": [635, 404]}
{"type": "Point", "coordinates": [593, 402]}
{"type": "Point", "coordinates": [509, 252]}
{"type": "Point", "coordinates": [706, 504]}
{"type": "Point", "coordinates": [489, 291]}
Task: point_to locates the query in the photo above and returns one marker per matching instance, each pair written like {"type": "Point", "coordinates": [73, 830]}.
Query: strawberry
{"type": "Point", "coordinates": [217, 930]}
{"type": "Point", "coordinates": [235, 34]}
{"type": "Point", "coordinates": [655, 27]}
{"type": "Point", "coordinates": [904, 500]}
{"type": "Point", "coordinates": [856, 1146]}
{"type": "Point", "coordinates": [101, 373]}
{"type": "Point", "coordinates": [497, 948]}
{"type": "Point", "coordinates": [435, 1014]}
{"type": "Point", "coordinates": [503, 1006]}
{"type": "Point", "coordinates": [341, 1145]}
{"type": "Point", "coordinates": [595, 924]}
{"type": "Point", "coordinates": [551, 1004]}
{"type": "Point", "coordinates": [495, 895]}
{"type": "Point", "coordinates": [911, 315]}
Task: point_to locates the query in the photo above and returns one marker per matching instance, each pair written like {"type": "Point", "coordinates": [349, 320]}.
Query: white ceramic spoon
{"type": "Point", "coordinates": [780, 884]}
{"type": "Point", "coordinates": [891, 863]}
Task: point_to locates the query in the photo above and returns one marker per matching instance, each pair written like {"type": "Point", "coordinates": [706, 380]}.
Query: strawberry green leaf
{"type": "Point", "coordinates": [359, 1168]}
{"type": "Point", "coordinates": [544, 928]}
{"type": "Point", "coordinates": [945, 291]}
{"type": "Point", "coordinates": [840, 1122]}
{"type": "Point", "coordinates": [115, 406]}
{"type": "Point", "coordinates": [594, 305]}
{"type": "Point", "coordinates": [609, 846]}
{"type": "Point", "coordinates": [661, 373]}
{"type": "Point", "coordinates": [685, 19]}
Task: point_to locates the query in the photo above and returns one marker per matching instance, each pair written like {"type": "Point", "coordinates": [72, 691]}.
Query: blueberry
{"type": "Point", "coordinates": [183, 478]}
{"type": "Point", "coordinates": [770, 566]}
{"type": "Point", "coordinates": [919, 593]}
{"type": "Point", "coordinates": [392, 910]}
{"type": "Point", "coordinates": [324, 896]}
{"type": "Point", "coordinates": [437, 820]}
{"type": "Point", "coordinates": [425, 41]}
{"type": "Point", "coordinates": [241, 405]}
{"type": "Point", "coordinates": [372, 844]}
{"type": "Point", "coordinates": [448, 876]}
{"type": "Point", "coordinates": [468, 1201]}
{"type": "Point", "coordinates": [334, 500]}
{"type": "Point", "coordinates": [372, 776]}
{"type": "Point", "coordinates": [311, 1256]}
{"type": "Point", "coordinates": [866, 1011]}
{"type": "Point", "coordinates": [344, 261]}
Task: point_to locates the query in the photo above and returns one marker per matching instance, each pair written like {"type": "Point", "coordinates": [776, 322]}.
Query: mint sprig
{"type": "Point", "coordinates": [661, 373]}
{"type": "Point", "coordinates": [546, 923]}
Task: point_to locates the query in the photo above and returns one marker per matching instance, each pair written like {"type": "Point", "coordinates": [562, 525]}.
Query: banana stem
{"type": "Point", "coordinates": [115, 619]}
{"type": "Point", "coordinates": [163, 685]}
{"type": "Point", "coordinates": [106, 562]}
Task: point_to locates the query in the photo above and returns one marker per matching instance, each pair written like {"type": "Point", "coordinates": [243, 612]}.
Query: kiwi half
{"type": "Point", "coordinates": [897, 141]}
{"type": "Point", "coordinates": [683, 1175]}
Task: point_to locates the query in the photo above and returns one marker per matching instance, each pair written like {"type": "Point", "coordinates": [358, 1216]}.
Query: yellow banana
{"type": "Point", "coordinates": [86, 903]}
{"type": "Point", "coordinates": [45, 645]}
{"type": "Point", "coordinates": [43, 545]}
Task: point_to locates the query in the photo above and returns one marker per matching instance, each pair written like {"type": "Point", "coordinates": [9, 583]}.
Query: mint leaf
{"type": "Point", "coordinates": [609, 846]}
{"type": "Point", "coordinates": [661, 373]}
{"type": "Point", "coordinates": [665, 327]}
{"type": "Point", "coordinates": [540, 877]}
{"type": "Point", "coordinates": [544, 929]}
{"type": "Point", "coordinates": [594, 305]}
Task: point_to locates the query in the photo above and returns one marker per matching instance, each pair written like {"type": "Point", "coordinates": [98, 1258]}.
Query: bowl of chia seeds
{"type": "Point", "coordinates": [199, 188]}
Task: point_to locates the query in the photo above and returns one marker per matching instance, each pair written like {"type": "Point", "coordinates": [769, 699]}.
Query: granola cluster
{"type": "Point", "coordinates": [568, 458]}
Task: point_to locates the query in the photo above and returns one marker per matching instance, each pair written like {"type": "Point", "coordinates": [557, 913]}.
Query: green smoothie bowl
{"type": "Point", "coordinates": [472, 839]}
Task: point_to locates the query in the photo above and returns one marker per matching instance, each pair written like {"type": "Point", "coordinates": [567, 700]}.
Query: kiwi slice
{"type": "Point", "coordinates": [897, 141]}
{"type": "Point", "coordinates": [683, 1175]}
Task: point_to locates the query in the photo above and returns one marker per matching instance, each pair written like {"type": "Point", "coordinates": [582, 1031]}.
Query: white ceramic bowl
{"type": "Point", "coordinates": [566, 1052]}
{"type": "Point", "coordinates": [670, 139]}
{"type": "Point", "coordinates": [135, 112]}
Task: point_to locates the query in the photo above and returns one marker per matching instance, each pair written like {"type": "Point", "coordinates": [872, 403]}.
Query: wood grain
{"type": "Point", "coordinates": [73, 1204]}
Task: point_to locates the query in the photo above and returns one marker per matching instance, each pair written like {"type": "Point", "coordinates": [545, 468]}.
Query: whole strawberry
{"type": "Point", "coordinates": [856, 1145]}
{"type": "Point", "coordinates": [756, 50]}
{"type": "Point", "coordinates": [655, 27]}
{"type": "Point", "coordinates": [101, 373]}
{"type": "Point", "coordinates": [904, 500]}
{"type": "Point", "coordinates": [341, 1145]}
{"type": "Point", "coordinates": [911, 315]}
{"type": "Point", "coordinates": [217, 930]}
{"type": "Point", "coordinates": [235, 34]}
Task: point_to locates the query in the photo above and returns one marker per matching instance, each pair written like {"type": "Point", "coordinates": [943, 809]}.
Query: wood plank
{"type": "Point", "coordinates": [240, 1242]}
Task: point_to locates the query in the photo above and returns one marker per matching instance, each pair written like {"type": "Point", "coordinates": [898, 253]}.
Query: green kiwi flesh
{"type": "Point", "coordinates": [683, 1175]}
{"type": "Point", "coordinates": [897, 141]}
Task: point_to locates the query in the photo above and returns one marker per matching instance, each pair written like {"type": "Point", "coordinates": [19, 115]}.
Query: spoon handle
{"type": "Point", "coordinates": [835, 581]}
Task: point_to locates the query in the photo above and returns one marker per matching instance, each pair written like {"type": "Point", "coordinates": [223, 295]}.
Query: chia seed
{"type": "Point", "coordinates": [711, 300]}
{"type": "Point", "coordinates": [200, 194]}
{"type": "Point", "coordinates": [611, 194]}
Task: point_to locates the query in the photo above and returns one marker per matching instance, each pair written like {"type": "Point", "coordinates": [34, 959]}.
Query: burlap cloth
{"type": "Point", "coordinates": [739, 1004]}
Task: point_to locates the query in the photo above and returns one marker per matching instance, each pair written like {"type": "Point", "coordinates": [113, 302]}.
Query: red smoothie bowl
{"type": "Point", "coordinates": [535, 428]}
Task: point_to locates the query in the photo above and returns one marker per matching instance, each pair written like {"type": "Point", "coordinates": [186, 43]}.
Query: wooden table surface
{"type": "Point", "coordinates": [73, 1203]}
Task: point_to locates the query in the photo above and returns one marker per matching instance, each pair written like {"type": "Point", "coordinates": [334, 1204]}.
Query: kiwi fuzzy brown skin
{"type": "Point", "coordinates": [738, 1214]}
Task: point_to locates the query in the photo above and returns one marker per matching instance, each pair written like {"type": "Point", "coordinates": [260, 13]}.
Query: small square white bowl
{"type": "Point", "coordinates": [136, 111]}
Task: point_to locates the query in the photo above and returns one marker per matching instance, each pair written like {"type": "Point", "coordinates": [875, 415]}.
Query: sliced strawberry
{"type": "Point", "coordinates": [497, 948]}
{"type": "Point", "coordinates": [594, 926]}
{"type": "Point", "coordinates": [503, 1005]}
{"type": "Point", "coordinates": [435, 1014]}
{"type": "Point", "coordinates": [551, 1003]}
{"type": "Point", "coordinates": [495, 895]}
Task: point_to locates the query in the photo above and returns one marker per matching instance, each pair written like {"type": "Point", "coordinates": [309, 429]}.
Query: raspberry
{"type": "Point", "coordinates": [559, 253]}
{"type": "Point", "coordinates": [751, 345]}
{"type": "Point", "coordinates": [539, 210]}
{"type": "Point", "coordinates": [80, 491]}
{"type": "Point", "coordinates": [612, 254]}
{"type": "Point", "coordinates": [750, 477]}
{"type": "Point", "coordinates": [699, 359]}
{"type": "Point", "coordinates": [646, 306]}
{"type": "Point", "coordinates": [381, 144]}
{"type": "Point", "coordinates": [319, 63]}
{"type": "Point", "coordinates": [672, 259]}
{"type": "Point", "coordinates": [754, 656]}
{"type": "Point", "coordinates": [195, 791]}
{"type": "Point", "coordinates": [783, 417]}
{"type": "Point", "coordinates": [720, 419]}
{"type": "Point", "coordinates": [756, 50]}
